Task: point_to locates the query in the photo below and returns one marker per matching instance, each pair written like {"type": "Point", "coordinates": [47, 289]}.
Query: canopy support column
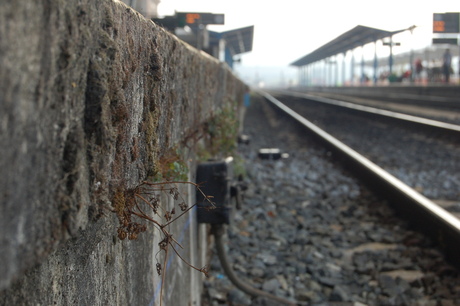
{"type": "Point", "coordinates": [352, 68]}
{"type": "Point", "coordinates": [390, 60]}
{"type": "Point", "coordinates": [362, 65]}
{"type": "Point", "coordinates": [375, 62]}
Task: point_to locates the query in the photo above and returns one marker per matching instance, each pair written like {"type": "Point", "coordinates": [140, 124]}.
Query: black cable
{"type": "Point", "coordinates": [218, 232]}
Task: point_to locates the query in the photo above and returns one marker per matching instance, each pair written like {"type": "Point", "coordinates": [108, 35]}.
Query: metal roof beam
{"type": "Point", "coordinates": [358, 36]}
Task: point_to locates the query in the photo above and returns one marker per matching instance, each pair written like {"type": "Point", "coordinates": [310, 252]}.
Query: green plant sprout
{"type": "Point", "coordinates": [171, 167]}
{"type": "Point", "coordinates": [219, 134]}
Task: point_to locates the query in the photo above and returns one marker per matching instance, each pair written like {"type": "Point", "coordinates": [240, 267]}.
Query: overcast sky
{"type": "Point", "coordinates": [290, 29]}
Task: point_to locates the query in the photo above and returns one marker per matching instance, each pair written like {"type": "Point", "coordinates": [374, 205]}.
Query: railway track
{"type": "Point", "coordinates": [423, 153]}
{"type": "Point", "coordinates": [445, 109]}
{"type": "Point", "coordinates": [309, 231]}
{"type": "Point", "coordinates": [420, 210]}
{"type": "Point", "coordinates": [449, 101]}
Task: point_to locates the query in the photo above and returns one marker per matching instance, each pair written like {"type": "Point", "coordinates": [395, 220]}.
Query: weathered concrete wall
{"type": "Point", "coordinates": [92, 96]}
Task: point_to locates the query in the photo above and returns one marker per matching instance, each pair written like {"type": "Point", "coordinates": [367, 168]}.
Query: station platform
{"type": "Point", "coordinates": [432, 90]}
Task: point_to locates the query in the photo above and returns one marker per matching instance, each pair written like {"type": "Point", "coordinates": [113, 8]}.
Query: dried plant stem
{"type": "Point", "coordinates": [197, 186]}
{"type": "Point", "coordinates": [183, 213]}
{"type": "Point", "coordinates": [143, 202]}
{"type": "Point", "coordinates": [142, 215]}
{"type": "Point", "coordinates": [185, 261]}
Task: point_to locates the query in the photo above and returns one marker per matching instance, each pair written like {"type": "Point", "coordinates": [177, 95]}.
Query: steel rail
{"type": "Point", "coordinates": [422, 212]}
{"type": "Point", "coordinates": [446, 127]}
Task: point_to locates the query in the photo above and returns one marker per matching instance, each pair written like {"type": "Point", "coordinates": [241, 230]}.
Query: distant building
{"type": "Point", "coordinates": [191, 27]}
{"type": "Point", "coordinates": [148, 8]}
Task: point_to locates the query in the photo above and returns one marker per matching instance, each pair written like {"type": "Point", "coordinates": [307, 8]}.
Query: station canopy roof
{"type": "Point", "coordinates": [358, 36]}
{"type": "Point", "coordinates": [237, 40]}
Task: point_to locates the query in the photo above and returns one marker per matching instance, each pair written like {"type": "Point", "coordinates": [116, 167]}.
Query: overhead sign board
{"type": "Point", "coordinates": [449, 41]}
{"type": "Point", "coordinates": [446, 23]}
{"type": "Point", "coordinates": [194, 18]}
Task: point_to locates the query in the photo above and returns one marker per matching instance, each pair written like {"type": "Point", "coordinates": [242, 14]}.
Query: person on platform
{"type": "Point", "coordinates": [418, 69]}
{"type": "Point", "coordinates": [446, 63]}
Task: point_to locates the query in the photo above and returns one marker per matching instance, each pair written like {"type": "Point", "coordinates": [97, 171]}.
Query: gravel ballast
{"type": "Point", "coordinates": [309, 232]}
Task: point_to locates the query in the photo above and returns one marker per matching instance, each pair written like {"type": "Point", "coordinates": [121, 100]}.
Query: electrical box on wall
{"type": "Point", "coordinates": [214, 178]}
